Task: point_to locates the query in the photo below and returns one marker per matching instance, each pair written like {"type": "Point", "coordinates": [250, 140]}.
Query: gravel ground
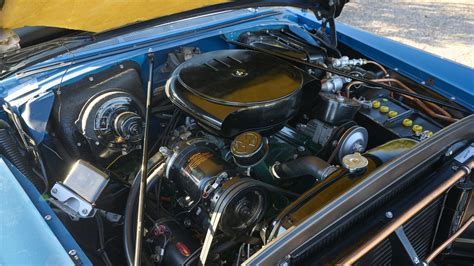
{"type": "Point", "coordinates": [442, 27]}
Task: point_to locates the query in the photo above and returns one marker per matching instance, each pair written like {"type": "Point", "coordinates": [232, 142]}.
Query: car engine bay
{"type": "Point", "coordinates": [243, 144]}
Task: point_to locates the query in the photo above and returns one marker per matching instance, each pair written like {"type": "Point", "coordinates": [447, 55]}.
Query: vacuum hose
{"type": "Point", "coordinates": [10, 149]}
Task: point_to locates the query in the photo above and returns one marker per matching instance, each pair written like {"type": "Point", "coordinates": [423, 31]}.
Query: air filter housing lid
{"type": "Point", "coordinates": [231, 91]}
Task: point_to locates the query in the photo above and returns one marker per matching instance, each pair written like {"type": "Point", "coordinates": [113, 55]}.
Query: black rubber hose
{"type": "Point", "coordinates": [222, 247]}
{"type": "Point", "coordinates": [332, 24]}
{"type": "Point", "coordinates": [10, 149]}
{"type": "Point", "coordinates": [128, 219]}
{"type": "Point", "coordinates": [303, 166]}
{"type": "Point", "coordinates": [100, 230]}
{"type": "Point", "coordinates": [131, 206]}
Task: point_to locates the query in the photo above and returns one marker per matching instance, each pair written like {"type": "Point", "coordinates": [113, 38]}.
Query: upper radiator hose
{"type": "Point", "coordinates": [303, 166]}
{"type": "Point", "coordinates": [10, 149]}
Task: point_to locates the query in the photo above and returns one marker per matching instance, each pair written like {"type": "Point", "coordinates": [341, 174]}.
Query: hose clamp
{"type": "Point", "coordinates": [466, 169]}
{"type": "Point", "coordinates": [273, 171]}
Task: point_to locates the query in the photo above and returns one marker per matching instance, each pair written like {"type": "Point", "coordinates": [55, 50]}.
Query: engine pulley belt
{"type": "Point", "coordinates": [219, 209]}
{"type": "Point", "coordinates": [344, 74]}
{"type": "Point", "coordinates": [222, 203]}
{"type": "Point", "coordinates": [276, 189]}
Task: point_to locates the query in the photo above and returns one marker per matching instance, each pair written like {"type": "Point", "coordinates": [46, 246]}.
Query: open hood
{"type": "Point", "coordinates": [100, 15]}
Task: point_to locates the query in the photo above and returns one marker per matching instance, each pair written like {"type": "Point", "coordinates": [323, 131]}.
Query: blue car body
{"type": "Point", "coordinates": [34, 87]}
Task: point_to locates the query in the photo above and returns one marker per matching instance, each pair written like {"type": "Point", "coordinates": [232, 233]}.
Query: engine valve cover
{"type": "Point", "coordinates": [232, 91]}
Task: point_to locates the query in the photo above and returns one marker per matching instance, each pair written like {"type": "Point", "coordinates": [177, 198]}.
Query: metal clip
{"type": "Point", "coordinates": [214, 185]}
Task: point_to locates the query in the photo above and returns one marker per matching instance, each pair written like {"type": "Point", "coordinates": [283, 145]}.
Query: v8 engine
{"type": "Point", "coordinates": [242, 145]}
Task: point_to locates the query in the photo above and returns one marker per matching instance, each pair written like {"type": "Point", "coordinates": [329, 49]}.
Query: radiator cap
{"type": "Point", "coordinates": [355, 162]}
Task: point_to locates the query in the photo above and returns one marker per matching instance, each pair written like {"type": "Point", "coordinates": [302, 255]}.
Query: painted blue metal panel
{"type": "Point", "coordinates": [30, 232]}
{"type": "Point", "coordinates": [37, 121]}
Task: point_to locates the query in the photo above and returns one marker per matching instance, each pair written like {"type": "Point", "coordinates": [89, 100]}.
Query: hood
{"type": "Point", "coordinates": [101, 15]}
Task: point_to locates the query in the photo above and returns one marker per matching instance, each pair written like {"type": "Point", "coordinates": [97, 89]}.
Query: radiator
{"type": "Point", "coordinates": [420, 231]}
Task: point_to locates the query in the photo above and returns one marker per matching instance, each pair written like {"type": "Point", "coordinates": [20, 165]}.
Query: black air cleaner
{"type": "Point", "coordinates": [232, 91]}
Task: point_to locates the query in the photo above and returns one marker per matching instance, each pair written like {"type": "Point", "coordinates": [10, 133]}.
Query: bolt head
{"type": "Point", "coordinates": [389, 215]}
{"type": "Point", "coordinates": [54, 190]}
{"type": "Point", "coordinates": [72, 252]}
{"type": "Point", "coordinates": [187, 223]}
{"type": "Point", "coordinates": [47, 217]}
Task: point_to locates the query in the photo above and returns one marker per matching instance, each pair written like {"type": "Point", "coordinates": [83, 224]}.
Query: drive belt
{"type": "Point", "coordinates": [222, 202]}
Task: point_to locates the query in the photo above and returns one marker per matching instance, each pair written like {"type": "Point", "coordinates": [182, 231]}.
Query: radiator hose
{"type": "Point", "coordinates": [11, 150]}
{"type": "Point", "coordinates": [303, 166]}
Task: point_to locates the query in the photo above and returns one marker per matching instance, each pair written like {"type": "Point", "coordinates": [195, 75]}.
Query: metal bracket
{"type": "Point", "coordinates": [214, 185]}
{"type": "Point", "coordinates": [465, 155]}
{"type": "Point", "coordinates": [70, 202]}
{"type": "Point", "coordinates": [407, 246]}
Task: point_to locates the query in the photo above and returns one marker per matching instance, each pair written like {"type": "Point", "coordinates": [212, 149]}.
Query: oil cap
{"type": "Point", "coordinates": [355, 162]}
{"type": "Point", "coordinates": [249, 148]}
